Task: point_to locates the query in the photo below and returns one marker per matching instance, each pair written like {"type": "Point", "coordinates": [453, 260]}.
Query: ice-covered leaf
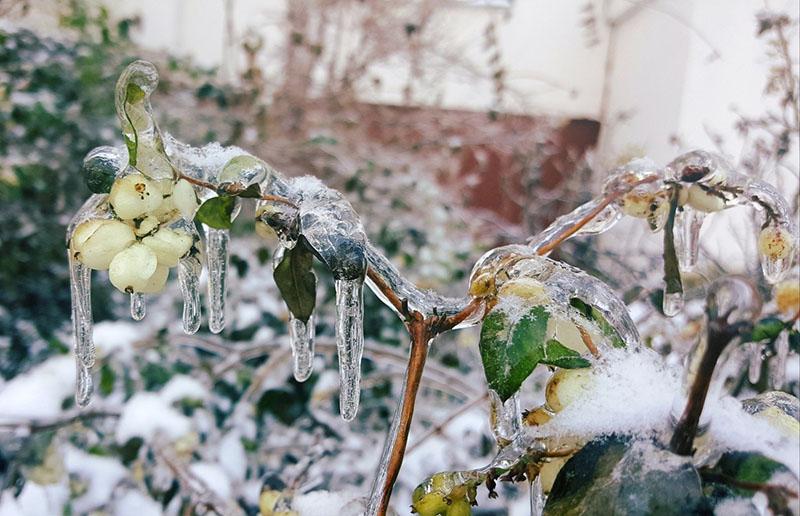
{"type": "Point", "coordinates": [133, 95]}
{"type": "Point", "coordinates": [217, 212]}
{"type": "Point", "coordinates": [297, 282]}
{"type": "Point", "coordinates": [595, 315]}
{"type": "Point", "coordinates": [510, 350]}
{"type": "Point", "coordinates": [616, 476]}
{"type": "Point", "coordinates": [251, 192]}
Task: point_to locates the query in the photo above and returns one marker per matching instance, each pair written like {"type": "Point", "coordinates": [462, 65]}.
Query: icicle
{"type": "Point", "coordinates": [688, 223]}
{"type": "Point", "coordinates": [301, 335]}
{"type": "Point", "coordinates": [189, 278]}
{"type": "Point", "coordinates": [777, 369]}
{"type": "Point", "coordinates": [217, 263]}
{"type": "Point", "coordinates": [138, 306]}
{"type": "Point", "coordinates": [537, 496]}
{"type": "Point", "coordinates": [672, 303]}
{"type": "Point", "coordinates": [85, 386]}
{"type": "Point", "coordinates": [349, 343]}
{"type": "Point", "coordinates": [505, 418]}
{"type": "Point", "coordinates": [754, 363]}
{"type": "Point", "coordinates": [80, 290]}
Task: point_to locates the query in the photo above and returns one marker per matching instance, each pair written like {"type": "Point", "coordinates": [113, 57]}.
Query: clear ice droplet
{"type": "Point", "coordinates": [138, 306]}
{"type": "Point", "coordinates": [505, 418]}
{"type": "Point", "coordinates": [754, 362]}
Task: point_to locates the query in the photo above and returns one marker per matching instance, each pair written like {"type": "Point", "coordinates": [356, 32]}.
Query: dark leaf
{"type": "Point", "coordinates": [558, 355]}
{"type": "Point", "coordinates": [251, 192]}
{"type": "Point", "coordinates": [297, 282]}
{"type": "Point", "coordinates": [593, 314]}
{"type": "Point", "coordinates": [216, 212]}
{"type": "Point", "coordinates": [766, 329]}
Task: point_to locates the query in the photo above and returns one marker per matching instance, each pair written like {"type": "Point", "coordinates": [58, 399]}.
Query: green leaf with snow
{"type": "Point", "coordinates": [511, 350]}
{"type": "Point", "coordinates": [594, 315]}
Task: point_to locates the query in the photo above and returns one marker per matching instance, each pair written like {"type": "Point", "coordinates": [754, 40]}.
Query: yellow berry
{"type": "Point", "coordinates": [787, 297]}
{"type": "Point", "coordinates": [565, 386]}
{"type": "Point", "coordinates": [482, 284]}
{"type": "Point", "coordinates": [459, 507]}
{"type": "Point", "coordinates": [775, 242]}
{"type": "Point", "coordinates": [96, 242]}
{"type": "Point", "coordinates": [133, 196]}
{"type": "Point", "coordinates": [637, 204]}
{"type": "Point", "coordinates": [526, 288]}
{"type": "Point", "coordinates": [549, 471]}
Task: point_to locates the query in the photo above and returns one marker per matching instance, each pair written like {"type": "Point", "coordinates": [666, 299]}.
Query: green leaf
{"type": "Point", "coordinates": [216, 212]}
{"type": "Point", "coordinates": [766, 329]}
{"type": "Point", "coordinates": [511, 351]}
{"type": "Point", "coordinates": [672, 272]}
{"type": "Point", "coordinates": [594, 315]}
{"type": "Point", "coordinates": [614, 475]}
{"type": "Point", "coordinates": [251, 192]}
{"type": "Point", "coordinates": [133, 94]}
{"type": "Point", "coordinates": [297, 282]}
{"type": "Point", "coordinates": [558, 355]}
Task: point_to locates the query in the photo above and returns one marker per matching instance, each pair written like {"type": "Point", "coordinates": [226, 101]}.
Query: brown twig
{"type": "Point", "coordinates": [233, 189]}
{"type": "Point", "coordinates": [587, 341]}
{"type": "Point", "coordinates": [719, 334]}
{"type": "Point", "coordinates": [419, 329]}
{"type": "Point", "coordinates": [591, 215]}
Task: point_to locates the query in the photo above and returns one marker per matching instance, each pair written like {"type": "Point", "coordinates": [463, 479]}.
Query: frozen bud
{"type": "Point", "coordinates": [565, 386]}
{"type": "Point", "coordinates": [96, 242]}
{"type": "Point", "coordinates": [638, 204]}
{"type": "Point", "coordinates": [787, 296]}
{"type": "Point", "coordinates": [184, 199]}
{"type": "Point", "coordinates": [169, 245]}
{"type": "Point", "coordinates": [482, 284]}
{"type": "Point", "coordinates": [132, 269]}
{"type": "Point", "coordinates": [775, 242]}
{"type": "Point", "coordinates": [244, 170]}
{"type": "Point", "coordinates": [704, 200]}
{"type": "Point", "coordinates": [133, 196]}
{"type": "Point", "coordinates": [146, 226]}
{"type": "Point", "coordinates": [527, 288]}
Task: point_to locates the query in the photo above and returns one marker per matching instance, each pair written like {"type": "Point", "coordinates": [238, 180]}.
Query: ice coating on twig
{"type": "Point", "coordinates": [349, 343]}
{"type": "Point", "coordinates": [423, 301]}
{"type": "Point", "coordinates": [217, 258]}
{"type": "Point", "coordinates": [606, 217]}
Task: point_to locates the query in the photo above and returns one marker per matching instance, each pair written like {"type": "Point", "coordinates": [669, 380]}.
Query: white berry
{"type": "Point", "coordinates": [133, 196]}
{"type": "Point", "coordinates": [702, 200]}
{"type": "Point", "coordinates": [96, 242]}
{"type": "Point", "coordinates": [169, 245]}
{"type": "Point", "coordinates": [184, 199]}
{"type": "Point", "coordinates": [131, 270]}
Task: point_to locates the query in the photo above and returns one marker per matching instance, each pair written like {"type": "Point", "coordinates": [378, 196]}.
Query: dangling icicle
{"type": "Point", "coordinates": [189, 278]}
{"type": "Point", "coordinates": [537, 497]}
{"type": "Point", "coordinates": [138, 307]}
{"type": "Point", "coordinates": [217, 263]}
{"type": "Point", "coordinates": [754, 362]}
{"type": "Point", "coordinates": [80, 289]}
{"type": "Point", "coordinates": [777, 369]}
{"type": "Point", "coordinates": [349, 343]}
{"type": "Point", "coordinates": [688, 223]}
{"type": "Point", "coordinates": [301, 335]}
{"type": "Point", "coordinates": [84, 387]}
{"type": "Point", "coordinates": [505, 418]}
